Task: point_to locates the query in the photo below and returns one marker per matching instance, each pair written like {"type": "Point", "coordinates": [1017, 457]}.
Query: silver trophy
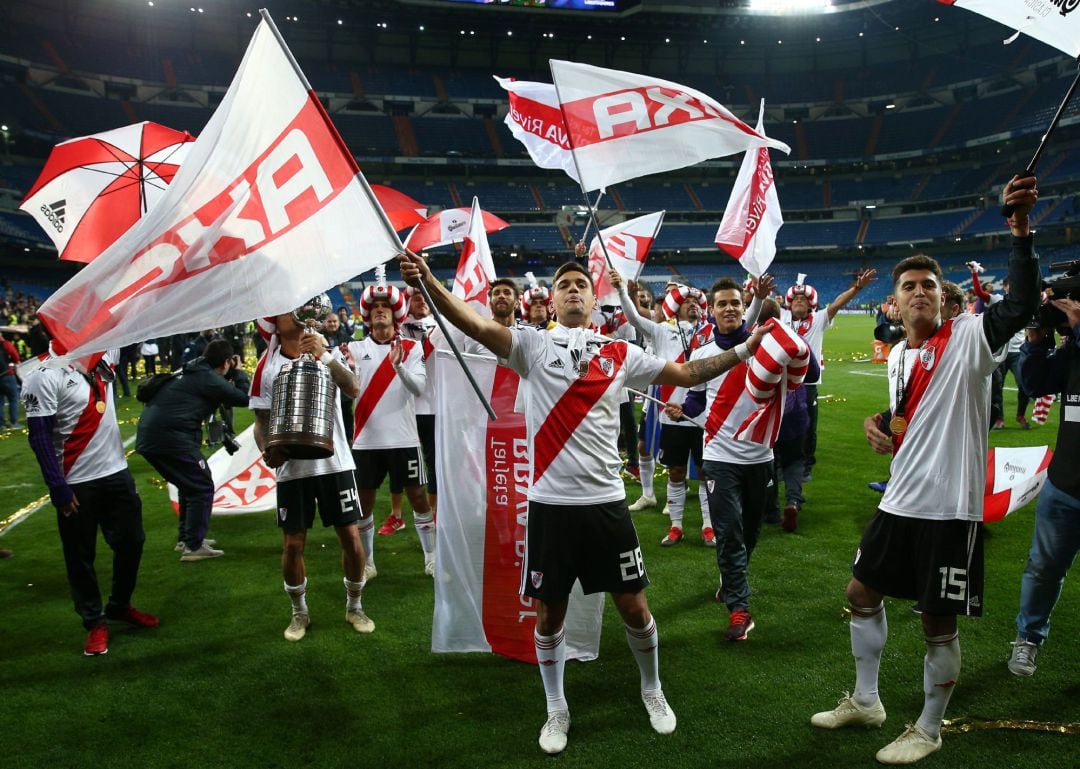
{"type": "Point", "coordinates": [305, 397]}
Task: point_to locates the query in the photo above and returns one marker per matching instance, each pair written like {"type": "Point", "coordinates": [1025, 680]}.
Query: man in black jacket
{"type": "Point", "coordinates": [170, 439]}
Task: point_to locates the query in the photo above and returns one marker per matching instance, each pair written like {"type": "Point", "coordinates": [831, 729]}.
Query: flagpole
{"type": "Point", "coordinates": [590, 221]}
{"type": "Point", "coordinates": [1007, 210]}
{"type": "Point", "coordinates": [657, 401]}
{"type": "Point", "coordinates": [573, 155]}
{"type": "Point", "coordinates": [265, 14]}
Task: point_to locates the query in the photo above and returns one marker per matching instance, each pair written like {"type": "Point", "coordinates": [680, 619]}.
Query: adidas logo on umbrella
{"type": "Point", "coordinates": [54, 212]}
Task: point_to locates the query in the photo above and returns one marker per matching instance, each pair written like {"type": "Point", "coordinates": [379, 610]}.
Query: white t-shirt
{"type": "Point", "coordinates": [418, 329]}
{"type": "Point", "coordinates": [262, 398]}
{"type": "Point", "coordinates": [735, 405]}
{"type": "Point", "coordinates": [670, 341]}
{"type": "Point", "coordinates": [811, 329]}
{"type": "Point", "coordinates": [939, 471]}
{"type": "Point", "coordinates": [87, 441]}
{"type": "Point", "coordinates": [573, 421]}
{"type": "Point", "coordinates": [384, 416]}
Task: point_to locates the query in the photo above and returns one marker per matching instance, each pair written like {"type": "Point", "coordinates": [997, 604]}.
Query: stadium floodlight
{"type": "Point", "coordinates": [790, 6]}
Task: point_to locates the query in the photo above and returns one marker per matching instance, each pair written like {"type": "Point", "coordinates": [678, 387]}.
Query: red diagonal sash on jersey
{"type": "Point", "coordinates": [731, 389]}
{"type": "Point", "coordinates": [572, 408]}
{"type": "Point", "coordinates": [84, 428]}
{"type": "Point", "coordinates": [696, 340]}
{"type": "Point", "coordinates": [375, 390]}
{"type": "Point", "coordinates": [921, 376]}
{"type": "Point", "coordinates": [508, 617]}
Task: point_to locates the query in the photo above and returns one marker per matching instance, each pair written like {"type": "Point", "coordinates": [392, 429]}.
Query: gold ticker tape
{"type": "Point", "coordinates": [21, 513]}
{"type": "Point", "coordinates": [956, 725]}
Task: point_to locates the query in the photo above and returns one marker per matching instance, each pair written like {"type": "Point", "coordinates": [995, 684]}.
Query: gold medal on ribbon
{"type": "Point", "coordinates": [897, 425]}
{"type": "Point", "coordinates": [100, 407]}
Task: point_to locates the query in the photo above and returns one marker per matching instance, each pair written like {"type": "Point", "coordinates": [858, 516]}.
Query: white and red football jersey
{"type": "Point", "coordinates": [262, 399]}
{"type": "Point", "coordinates": [674, 341]}
{"type": "Point", "coordinates": [384, 416]}
{"type": "Point", "coordinates": [728, 404]}
{"type": "Point", "coordinates": [419, 329]}
{"type": "Point", "coordinates": [812, 329]}
{"type": "Point", "coordinates": [939, 463]}
{"type": "Point", "coordinates": [86, 436]}
{"type": "Point", "coordinates": [573, 420]}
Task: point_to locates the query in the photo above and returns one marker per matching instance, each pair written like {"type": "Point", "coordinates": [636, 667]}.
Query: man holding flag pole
{"type": "Point", "coordinates": [578, 524]}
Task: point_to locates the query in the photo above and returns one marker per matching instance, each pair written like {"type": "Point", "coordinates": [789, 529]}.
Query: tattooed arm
{"type": "Point", "coordinates": [703, 369]}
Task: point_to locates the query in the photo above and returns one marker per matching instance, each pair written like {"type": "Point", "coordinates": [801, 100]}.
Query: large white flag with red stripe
{"type": "Point", "coordinates": [268, 209]}
{"type": "Point", "coordinates": [627, 245]}
{"type": "Point", "coordinates": [242, 481]}
{"type": "Point", "coordinates": [475, 269]}
{"type": "Point", "coordinates": [1014, 477]}
{"type": "Point", "coordinates": [622, 125]}
{"type": "Point", "coordinates": [536, 121]}
{"type": "Point", "coordinates": [480, 539]}
{"type": "Point", "coordinates": [752, 217]}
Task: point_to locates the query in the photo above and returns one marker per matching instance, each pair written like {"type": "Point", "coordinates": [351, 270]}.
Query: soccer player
{"type": "Point", "coordinates": [802, 316]}
{"type": "Point", "coordinates": [385, 441]}
{"type": "Point", "coordinates": [578, 524]}
{"type": "Point", "coordinates": [306, 484]}
{"type": "Point", "coordinates": [418, 326]}
{"type": "Point", "coordinates": [679, 438]}
{"type": "Point", "coordinates": [738, 474]}
{"type": "Point", "coordinates": [71, 421]}
{"type": "Point", "coordinates": [925, 541]}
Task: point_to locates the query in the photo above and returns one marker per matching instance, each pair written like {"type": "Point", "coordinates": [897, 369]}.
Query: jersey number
{"type": "Point", "coordinates": [632, 565]}
{"type": "Point", "coordinates": [349, 498]}
{"type": "Point", "coordinates": [953, 583]}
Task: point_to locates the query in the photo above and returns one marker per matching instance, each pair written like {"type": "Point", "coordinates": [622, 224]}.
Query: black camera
{"type": "Point", "coordinates": [1059, 287]}
{"type": "Point", "coordinates": [217, 431]}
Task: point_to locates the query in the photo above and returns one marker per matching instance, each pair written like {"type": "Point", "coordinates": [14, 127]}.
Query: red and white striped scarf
{"type": "Point", "coordinates": [1041, 412]}
{"type": "Point", "coordinates": [777, 367]}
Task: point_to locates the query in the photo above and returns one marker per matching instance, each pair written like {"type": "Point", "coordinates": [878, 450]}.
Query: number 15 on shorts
{"type": "Point", "coordinates": [631, 564]}
{"type": "Point", "coordinates": [953, 583]}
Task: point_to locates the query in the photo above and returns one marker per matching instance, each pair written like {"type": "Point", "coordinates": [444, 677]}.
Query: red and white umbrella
{"type": "Point", "coordinates": [401, 210]}
{"type": "Point", "coordinates": [94, 188]}
{"type": "Point", "coordinates": [449, 226]}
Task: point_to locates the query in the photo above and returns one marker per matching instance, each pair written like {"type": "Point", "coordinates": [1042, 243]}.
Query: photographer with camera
{"type": "Point", "coordinates": [1044, 370]}
{"type": "Point", "coordinates": [170, 438]}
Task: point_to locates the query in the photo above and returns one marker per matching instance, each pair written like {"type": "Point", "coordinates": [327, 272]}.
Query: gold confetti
{"type": "Point", "coordinates": [957, 725]}
{"type": "Point", "coordinates": [22, 512]}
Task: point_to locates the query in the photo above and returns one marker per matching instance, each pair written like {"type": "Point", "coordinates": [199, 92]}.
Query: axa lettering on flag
{"type": "Point", "coordinates": [752, 217]}
{"type": "Point", "coordinates": [269, 209]}
{"type": "Point", "coordinates": [1014, 477]}
{"type": "Point", "coordinates": [475, 269]}
{"type": "Point", "coordinates": [535, 120]}
{"type": "Point", "coordinates": [242, 481]}
{"type": "Point", "coordinates": [622, 125]}
{"type": "Point", "coordinates": [627, 246]}
{"type": "Point", "coordinates": [480, 539]}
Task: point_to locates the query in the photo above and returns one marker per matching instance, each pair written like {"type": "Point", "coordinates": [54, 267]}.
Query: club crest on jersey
{"type": "Point", "coordinates": [927, 357]}
{"type": "Point", "coordinates": [537, 578]}
{"type": "Point", "coordinates": [607, 365]}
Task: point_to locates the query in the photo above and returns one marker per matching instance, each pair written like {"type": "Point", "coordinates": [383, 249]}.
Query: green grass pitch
{"type": "Point", "coordinates": [217, 686]}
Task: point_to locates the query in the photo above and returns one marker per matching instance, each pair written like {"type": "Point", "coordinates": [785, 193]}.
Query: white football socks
{"type": "Point", "coordinates": [645, 644]}
{"type": "Point", "coordinates": [869, 630]}
{"type": "Point", "coordinates": [941, 668]}
{"type": "Point", "coordinates": [425, 529]}
{"type": "Point", "coordinates": [353, 592]}
{"type": "Point", "coordinates": [551, 654]}
{"type": "Point", "coordinates": [703, 498]}
{"type": "Point", "coordinates": [676, 501]}
{"type": "Point", "coordinates": [367, 538]}
{"type": "Point", "coordinates": [647, 466]}
{"type": "Point", "coordinates": [297, 595]}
